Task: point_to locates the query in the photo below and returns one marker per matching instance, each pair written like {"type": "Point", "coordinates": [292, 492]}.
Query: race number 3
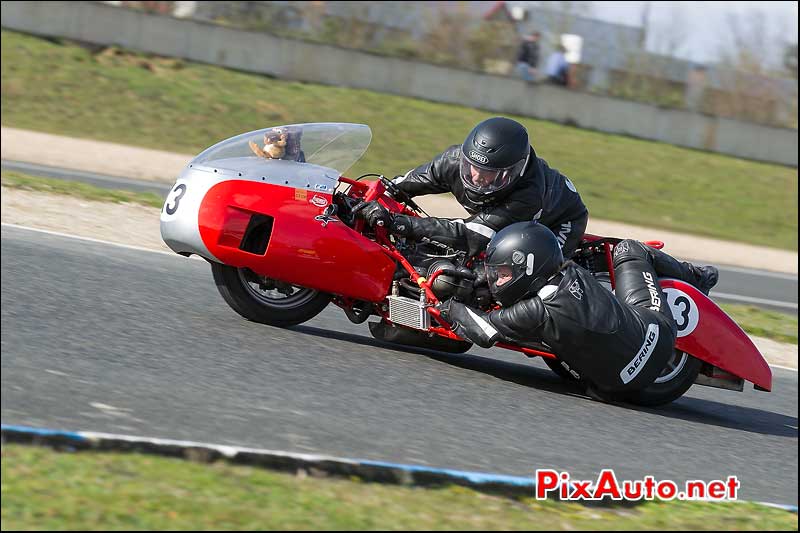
{"type": "Point", "coordinates": [174, 199]}
{"type": "Point", "coordinates": [684, 310]}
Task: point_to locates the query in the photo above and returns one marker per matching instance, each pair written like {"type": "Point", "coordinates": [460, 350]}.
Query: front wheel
{"type": "Point", "coordinates": [265, 300]}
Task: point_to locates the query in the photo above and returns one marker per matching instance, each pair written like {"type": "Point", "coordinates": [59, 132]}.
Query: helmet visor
{"type": "Point", "coordinates": [498, 275]}
{"type": "Point", "coordinates": [483, 179]}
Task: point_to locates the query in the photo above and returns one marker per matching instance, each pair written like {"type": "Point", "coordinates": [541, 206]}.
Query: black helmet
{"type": "Point", "coordinates": [494, 155]}
{"type": "Point", "coordinates": [520, 259]}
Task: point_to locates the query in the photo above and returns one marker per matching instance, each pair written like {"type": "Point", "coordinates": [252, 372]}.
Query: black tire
{"type": "Point", "coordinates": [671, 389]}
{"type": "Point", "coordinates": [236, 287]}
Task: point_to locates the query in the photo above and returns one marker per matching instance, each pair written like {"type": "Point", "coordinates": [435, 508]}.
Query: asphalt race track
{"type": "Point", "coordinates": [768, 290]}
{"type": "Point", "coordinates": [106, 338]}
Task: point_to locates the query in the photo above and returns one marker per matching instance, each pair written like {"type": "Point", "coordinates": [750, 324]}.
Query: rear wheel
{"type": "Point", "coordinates": [265, 300]}
{"type": "Point", "coordinates": [676, 378]}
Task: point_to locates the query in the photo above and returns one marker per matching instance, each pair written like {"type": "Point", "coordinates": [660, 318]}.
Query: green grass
{"type": "Point", "coordinates": [763, 323]}
{"type": "Point", "coordinates": [44, 489]}
{"type": "Point", "coordinates": [18, 180]}
{"type": "Point", "coordinates": [175, 105]}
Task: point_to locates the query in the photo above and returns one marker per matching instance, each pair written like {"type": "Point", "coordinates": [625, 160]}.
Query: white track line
{"type": "Point", "coordinates": [99, 241]}
{"type": "Point", "coordinates": [723, 295]}
{"type": "Point", "coordinates": [754, 272]}
{"type": "Point", "coordinates": [171, 254]}
{"type": "Point", "coordinates": [751, 299]}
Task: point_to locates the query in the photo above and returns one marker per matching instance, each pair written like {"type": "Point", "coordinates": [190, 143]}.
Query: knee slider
{"type": "Point", "coordinates": [629, 250]}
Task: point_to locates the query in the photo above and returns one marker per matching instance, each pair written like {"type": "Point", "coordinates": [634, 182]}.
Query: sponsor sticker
{"type": "Point", "coordinates": [576, 290]}
{"type": "Point", "coordinates": [319, 201]}
{"type": "Point", "coordinates": [301, 194]}
{"type": "Point", "coordinates": [480, 158]}
{"type": "Point", "coordinates": [325, 219]}
{"type": "Point", "coordinates": [655, 299]}
{"type": "Point", "coordinates": [637, 363]}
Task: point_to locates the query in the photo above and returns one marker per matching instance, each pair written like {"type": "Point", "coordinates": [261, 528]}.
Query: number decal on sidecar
{"type": "Point", "coordinates": [175, 196]}
{"type": "Point", "coordinates": [683, 321]}
{"type": "Point", "coordinates": [684, 310]}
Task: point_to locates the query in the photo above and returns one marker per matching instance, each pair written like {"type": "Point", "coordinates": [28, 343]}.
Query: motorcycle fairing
{"type": "Point", "coordinates": [707, 333]}
{"type": "Point", "coordinates": [304, 246]}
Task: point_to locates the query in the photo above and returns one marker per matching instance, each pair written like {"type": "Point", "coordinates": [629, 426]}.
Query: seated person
{"type": "Point", "coordinates": [616, 342]}
{"type": "Point", "coordinates": [497, 177]}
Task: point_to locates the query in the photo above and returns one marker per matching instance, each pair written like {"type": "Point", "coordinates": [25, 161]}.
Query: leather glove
{"type": "Point", "coordinates": [469, 324]}
{"type": "Point", "coordinates": [480, 276]}
{"type": "Point", "coordinates": [401, 225]}
{"type": "Point", "coordinates": [373, 213]}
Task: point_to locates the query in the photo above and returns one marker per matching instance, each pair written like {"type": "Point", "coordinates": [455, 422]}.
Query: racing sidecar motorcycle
{"type": "Point", "coordinates": [277, 226]}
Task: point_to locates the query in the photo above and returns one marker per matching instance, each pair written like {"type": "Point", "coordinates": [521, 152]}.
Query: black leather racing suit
{"type": "Point", "coordinates": [617, 342]}
{"type": "Point", "coordinates": [541, 193]}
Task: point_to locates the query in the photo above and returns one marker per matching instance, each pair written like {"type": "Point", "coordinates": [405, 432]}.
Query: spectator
{"type": "Point", "coordinates": [528, 57]}
{"type": "Point", "coordinates": [557, 67]}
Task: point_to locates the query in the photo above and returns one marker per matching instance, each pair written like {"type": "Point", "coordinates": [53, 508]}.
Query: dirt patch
{"type": "Point", "coordinates": [91, 156]}
{"type": "Point", "coordinates": [131, 224]}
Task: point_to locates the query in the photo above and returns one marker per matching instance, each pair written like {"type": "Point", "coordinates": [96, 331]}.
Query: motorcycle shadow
{"type": "Point", "coordinates": [691, 409]}
{"type": "Point", "coordinates": [731, 416]}
{"type": "Point", "coordinates": [522, 374]}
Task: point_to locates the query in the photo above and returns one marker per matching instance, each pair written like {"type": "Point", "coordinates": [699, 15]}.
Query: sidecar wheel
{"type": "Point", "coordinates": [680, 373]}
{"type": "Point", "coordinates": [254, 297]}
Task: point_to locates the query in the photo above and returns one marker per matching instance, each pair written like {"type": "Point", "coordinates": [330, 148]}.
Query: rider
{"type": "Point", "coordinates": [497, 177]}
{"type": "Point", "coordinates": [614, 342]}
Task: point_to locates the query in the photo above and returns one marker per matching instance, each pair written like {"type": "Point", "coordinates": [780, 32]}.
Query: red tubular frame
{"type": "Point", "coordinates": [744, 364]}
{"type": "Point", "coordinates": [610, 261]}
{"type": "Point", "coordinates": [375, 191]}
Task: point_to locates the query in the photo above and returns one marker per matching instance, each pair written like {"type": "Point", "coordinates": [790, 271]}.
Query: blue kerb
{"type": "Point", "coordinates": [473, 477]}
{"type": "Point", "coordinates": [42, 432]}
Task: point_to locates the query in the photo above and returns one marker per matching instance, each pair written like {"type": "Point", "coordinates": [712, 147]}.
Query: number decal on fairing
{"type": "Point", "coordinates": [684, 310]}
{"type": "Point", "coordinates": [684, 313]}
{"type": "Point", "coordinates": [180, 189]}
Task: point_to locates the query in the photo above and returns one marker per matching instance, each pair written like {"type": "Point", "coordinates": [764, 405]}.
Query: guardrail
{"type": "Point", "coordinates": [299, 60]}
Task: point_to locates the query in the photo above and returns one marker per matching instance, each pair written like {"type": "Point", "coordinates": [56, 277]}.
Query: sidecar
{"type": "Point", "coordinates": [259, 219]}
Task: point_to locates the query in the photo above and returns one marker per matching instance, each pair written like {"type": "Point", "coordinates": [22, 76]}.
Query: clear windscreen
{"type": "Point", "coordinates": [330, 144]}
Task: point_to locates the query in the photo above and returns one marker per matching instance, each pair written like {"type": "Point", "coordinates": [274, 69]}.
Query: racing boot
{"type": "Point", "coordinates": [707, 277]}
{"type": "Point", "coordinates": [702, 277]}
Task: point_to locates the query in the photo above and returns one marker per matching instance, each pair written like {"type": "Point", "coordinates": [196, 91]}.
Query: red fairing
{"type": "Point", "coordinates": [716, 338]}
{"type": "Point", "coordinates": [301, 250]}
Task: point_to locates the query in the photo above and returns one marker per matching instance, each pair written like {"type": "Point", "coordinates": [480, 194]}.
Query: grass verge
{"type": "Point", "coordinates": [762, 322]}
{"type": "Point", "coordinates": [18, 180]}
{"type": "Point", "coordinates": [171, 104]}
{"type": "Point", "coordinates": [45, 489]}
{"type": "Point", "coordinates": [756, 321]}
